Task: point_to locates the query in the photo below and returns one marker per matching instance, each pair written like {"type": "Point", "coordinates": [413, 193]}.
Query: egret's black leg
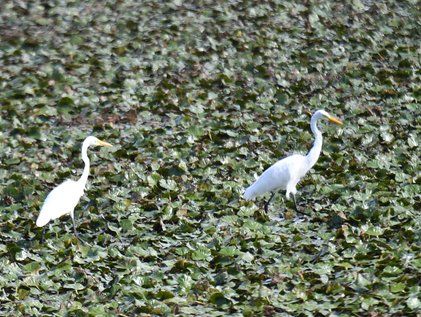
{"type": "Point", "coordinates": [321, 253]}
{"type": "Point", "coordinates": [296, 207]}
{"type": "Point", "coordinates": [75, 232]}
{"type": "Point", "coordinates": [295, 203]}
{"type": "Point", "coordinates": [42, 235]}
{"type": "Point", "coordinates": [268, 202]}
{"type": "Point", "coordinates": [74, 227]}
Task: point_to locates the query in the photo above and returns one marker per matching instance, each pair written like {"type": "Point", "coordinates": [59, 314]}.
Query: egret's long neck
{"type": "Point", "coordinates": [314, 153]}
{"type": "Point", "coordinates": [84, 178]}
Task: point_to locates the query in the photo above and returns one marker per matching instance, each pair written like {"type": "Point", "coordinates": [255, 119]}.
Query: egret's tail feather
{"type": "Point", "coordinates": [249, 194]}
{"type": "Point", "coordinates": [42, 219]}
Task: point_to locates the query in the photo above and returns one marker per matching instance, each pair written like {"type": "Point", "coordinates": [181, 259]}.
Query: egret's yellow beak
{"type": "Point", "coordinates": [335, 120]}
{"type": "Point", "coordinates": [103, 143]}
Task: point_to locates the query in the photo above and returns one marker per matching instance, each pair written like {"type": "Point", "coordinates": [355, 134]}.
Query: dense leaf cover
{"type": "Point", "coordinates": [199, 97]}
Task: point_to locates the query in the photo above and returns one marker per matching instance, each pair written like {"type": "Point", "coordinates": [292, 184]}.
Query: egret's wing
{"type": "Point", "coordinates": [60, 201]}
{"type": "Point", "coordinates": [275, 177]}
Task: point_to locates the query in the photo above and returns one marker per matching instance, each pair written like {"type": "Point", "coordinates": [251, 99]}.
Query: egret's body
{"type": "Point", "coordinates": [63, 199]}
{"type": "Point", "coordinates": [283, 175]}
{"type": "Point", "coordinates": [286, 173]}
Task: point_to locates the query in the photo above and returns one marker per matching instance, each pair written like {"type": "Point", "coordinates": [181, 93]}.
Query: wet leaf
{"type": "Point", "coordinates": [198, 99]}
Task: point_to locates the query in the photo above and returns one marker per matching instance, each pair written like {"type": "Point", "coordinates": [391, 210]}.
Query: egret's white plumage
{"type": "Point", "coordinates": [286, 173]}
{"type": "Point", "coordinates": [63, 199]}
{"type": "Point", "coordinates": [283, 173]}
{"type": "Point", "coordinates": [60, 201]}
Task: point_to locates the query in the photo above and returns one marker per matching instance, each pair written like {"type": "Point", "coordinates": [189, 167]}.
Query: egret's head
{"type": "Point", "coordinates": [91, 140]}
{"type": "Point", "coordinates": [323, 114]}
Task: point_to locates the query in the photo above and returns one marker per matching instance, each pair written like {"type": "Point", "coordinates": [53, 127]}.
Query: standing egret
{"type": "Point", "coordinates": [63, 199]}
{"type": "Point", "coordinates": [286, 173]}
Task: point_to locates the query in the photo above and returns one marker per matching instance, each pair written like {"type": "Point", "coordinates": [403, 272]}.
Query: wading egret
{"type": "Point", "coordinates": [63, 199]}
{"type": "Point", "coordinates": [286, 173]}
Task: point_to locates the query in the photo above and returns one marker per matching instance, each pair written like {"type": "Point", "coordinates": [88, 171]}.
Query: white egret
{"type": "Point", "coordinates": [286, 173]}
{"type": "Point", "coordinates": [63, 199]}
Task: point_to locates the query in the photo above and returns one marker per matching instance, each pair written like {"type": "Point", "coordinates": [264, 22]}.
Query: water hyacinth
{"type": "Point", "coordinates": [198, 98]}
